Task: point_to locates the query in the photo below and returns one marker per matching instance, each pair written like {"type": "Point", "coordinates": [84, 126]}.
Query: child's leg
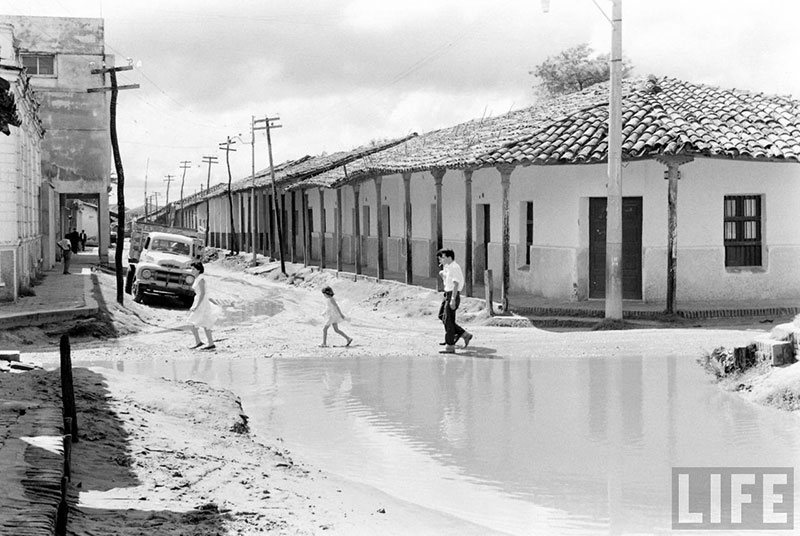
{"type": "Point", "coordinates": [196, 334]}
{"type": "Point", "coordinates": [342, 333]}
{"type": "Point", "coordinates": [209, 336]}
{"type": "Point", "coordinates": [325, 335]}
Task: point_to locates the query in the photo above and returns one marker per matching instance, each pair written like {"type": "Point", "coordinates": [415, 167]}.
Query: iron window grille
{"type": "Point", "coordinates": [742, 230]}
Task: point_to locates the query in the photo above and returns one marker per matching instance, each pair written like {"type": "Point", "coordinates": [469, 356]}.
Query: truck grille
{"type": "Point", "coordinates": [167, 277]}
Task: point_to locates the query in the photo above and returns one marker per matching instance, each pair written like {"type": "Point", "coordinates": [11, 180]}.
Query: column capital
{"type": "Point", "coordinates": [505, 170]}
{"type": "Point", "coordinates": [468, 174]}
{"type": "Point", "coordinates": [438, 174]}
{"type": "Point", "coordinates": [406, 175]}
{"type": "Point", "coordinates": [377, 178]}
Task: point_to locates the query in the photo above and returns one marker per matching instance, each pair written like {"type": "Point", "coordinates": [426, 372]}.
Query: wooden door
{"type": "Point", "coordinates": [631, 247]}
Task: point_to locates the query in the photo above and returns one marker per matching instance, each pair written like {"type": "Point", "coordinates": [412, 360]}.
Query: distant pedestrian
{"type": "Point", "coordinates": [74, 240]}
{"type": "Point", "coordinates": [83, 238]}
{"type": "Point", "coordinates": [204, 312]}
{"type": "Point", "coordinates": [333, 316]}
{"type": "Point", "coordinates": [66, 252]}
{"type": "Point", "coordinates": [453, 283]}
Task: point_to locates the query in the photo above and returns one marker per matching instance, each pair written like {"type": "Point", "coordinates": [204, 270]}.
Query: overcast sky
{"type": "Point", "coordinates": [341, 73]}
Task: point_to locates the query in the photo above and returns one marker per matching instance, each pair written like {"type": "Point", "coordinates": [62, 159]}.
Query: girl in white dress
{"type": "Point", "coordinates": [203, 313]}
{"type": "Point", "coordinates": [333, 315]}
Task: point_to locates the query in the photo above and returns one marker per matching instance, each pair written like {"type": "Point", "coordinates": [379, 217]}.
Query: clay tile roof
{"type": "Point", "coordinates": [665, 117]}
{"type": "Point", "coordinates": [298, 170]}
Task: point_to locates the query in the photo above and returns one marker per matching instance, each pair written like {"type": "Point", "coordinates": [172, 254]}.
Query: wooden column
{"type": "Point", "coordinates": [468, 276]}
{"type": "Point", "coordinates": [505, 180]}
{"type": "Point", "coordinates": [357, 226]}
{"type": "Point", "coordinates": [672, 174]}
{"type": "Point", "coordinates": [271, 244]}
{"type": "Point", "coordinates": [408, 222]}
{"type": "Point", "coordinates": [322, 227]}
{"type": "Point", "coordinates": [306, 242]}
{"type": "Point", "coordinates": [379, 210]}
{"type": "Point", "coordinates": [339, 209]}
{"type": "Point", "coordinates": [292, 228]}
{"type": "Point", "coordinates": [438, 175]}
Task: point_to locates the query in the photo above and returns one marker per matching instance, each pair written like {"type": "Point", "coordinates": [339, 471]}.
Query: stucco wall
{"type": "Point", "coordinates": [76, 152]}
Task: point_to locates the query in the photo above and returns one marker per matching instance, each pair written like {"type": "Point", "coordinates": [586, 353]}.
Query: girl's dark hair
{"type": "Point", "coordinates": [328, 291]}
{"type": "Point", "coordinates": [198, 266]}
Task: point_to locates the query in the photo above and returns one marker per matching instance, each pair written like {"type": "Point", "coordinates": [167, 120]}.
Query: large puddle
{"type": "Point", "coordinates": [553, 446]}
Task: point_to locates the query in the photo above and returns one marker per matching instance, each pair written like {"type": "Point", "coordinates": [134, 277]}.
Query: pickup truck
{"type": "Point", "coordinates": [159, 261]}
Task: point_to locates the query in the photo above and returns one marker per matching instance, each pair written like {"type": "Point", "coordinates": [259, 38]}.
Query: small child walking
{"type": "Point", "coordinates": [333, 315]}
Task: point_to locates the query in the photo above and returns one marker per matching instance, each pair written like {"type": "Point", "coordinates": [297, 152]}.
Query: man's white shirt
{"type": "Point", "coordinates": [453, 276]}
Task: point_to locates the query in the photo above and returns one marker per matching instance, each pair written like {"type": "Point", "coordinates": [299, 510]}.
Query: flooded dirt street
{"type": "Point", "coordinates": [527, 431]}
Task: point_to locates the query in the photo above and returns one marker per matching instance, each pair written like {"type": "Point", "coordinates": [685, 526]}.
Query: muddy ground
{"type": "Point", "coordinates": [165, 457]}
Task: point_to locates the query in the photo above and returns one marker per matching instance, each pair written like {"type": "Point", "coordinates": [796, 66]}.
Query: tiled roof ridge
{"type": "Point", "coordinates": [664, 116]}
{"type": "Point", "coordinates": [289, 174]}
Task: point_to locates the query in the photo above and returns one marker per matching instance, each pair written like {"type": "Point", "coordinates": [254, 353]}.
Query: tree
{"type": "Point", "coordinates": [574, 69]}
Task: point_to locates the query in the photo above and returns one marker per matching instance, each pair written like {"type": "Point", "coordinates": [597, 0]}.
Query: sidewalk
{"type": "Point", "coordinates": [525, 304]}
{"type": "Point", "coordinates": [59, 296]}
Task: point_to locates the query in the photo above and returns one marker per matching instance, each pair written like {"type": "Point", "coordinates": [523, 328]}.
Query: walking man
{"type": "Point", "coordinates": [453, 283]}
{"type": "Point", "coordinates": [74, 240]}
{"type": "Point", "coordinates": [83, 238]}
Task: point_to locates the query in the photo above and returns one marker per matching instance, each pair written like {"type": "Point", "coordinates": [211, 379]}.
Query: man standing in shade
{"type": "Point", "coordinates": [453, 283]}
{"type": "Point", "coordinates": [66, 252]}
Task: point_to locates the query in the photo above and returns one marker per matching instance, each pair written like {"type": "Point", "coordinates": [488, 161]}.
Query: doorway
{"type": "Point", "coordinates": [631, 247]}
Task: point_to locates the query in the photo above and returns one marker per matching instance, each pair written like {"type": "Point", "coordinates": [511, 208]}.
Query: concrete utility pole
{"type": "Point", "coordinates": [614, 206]}
{"type": "Point", "coordinates": [185, 164]}
{"type": "Point", "coordinates": [114, 89]}
{"type": "Point", "coordinates": [226, 146]}
{"type": "Point", "coordinates": [208, 160]}
{"type": "Point", "coordinates": [269, 125]}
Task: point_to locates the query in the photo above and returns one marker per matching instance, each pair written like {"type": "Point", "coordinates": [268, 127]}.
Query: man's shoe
{"type": "Point", "coordinates": [449, 349]}
{"type": "Point", "coordinates": [445, 342]}
{"type": "Point", "coordinates": [467, 337]}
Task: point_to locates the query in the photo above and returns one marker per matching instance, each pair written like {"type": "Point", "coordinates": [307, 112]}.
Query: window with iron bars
{"type": "Point", "coordinates": [742, 230]}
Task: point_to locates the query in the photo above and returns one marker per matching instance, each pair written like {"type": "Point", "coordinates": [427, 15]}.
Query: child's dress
{"type": "Point", "coordinates": [205, 313]}
{"type": "Point", "coordinates": [332, 314]}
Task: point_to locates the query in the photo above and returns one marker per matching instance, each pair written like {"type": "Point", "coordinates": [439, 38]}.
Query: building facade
{"type": "Point", "coordinates": [59, 54]}
{"type": "Point", "coordinates": [26, 201]}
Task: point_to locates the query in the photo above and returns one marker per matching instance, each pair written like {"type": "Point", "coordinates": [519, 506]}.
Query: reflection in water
{"type": "Point", "coordinates": [567, 446]}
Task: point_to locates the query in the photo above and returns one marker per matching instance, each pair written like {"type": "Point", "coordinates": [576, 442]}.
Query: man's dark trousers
{"type": "Point", "coordinates": [447, 315]}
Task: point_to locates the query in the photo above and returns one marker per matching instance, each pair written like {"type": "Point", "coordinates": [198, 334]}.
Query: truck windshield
{"type": "Point", "coordinates": [170, 246]}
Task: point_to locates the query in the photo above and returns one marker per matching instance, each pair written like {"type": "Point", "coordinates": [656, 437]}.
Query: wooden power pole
{"type": "Point", "coordinates": [226, 146]}
{"type": "Point", "coordinates": [185, 164]}
{"type": "Point", "coordinates": [208, 160]}
{"type": "Point", "coordinates": [114, 89]}
{"type": "Point", "coordinates": [269, 125]}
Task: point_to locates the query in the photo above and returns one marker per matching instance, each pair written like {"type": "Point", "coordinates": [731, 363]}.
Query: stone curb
{"type": "Point", "coordinates": [49, 316]}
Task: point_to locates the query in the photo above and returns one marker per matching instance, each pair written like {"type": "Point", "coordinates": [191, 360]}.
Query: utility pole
{"type": "Point", "coordinates": [614, 203]}
{"type": "Point", "coordinates": [253, 187]}
{"type": "Point", "coordinates": [155, 195]}
{"type": "Point", "coordinates": [146, 168]}
{"type": "Point", "coordinates": [114, 89]}
{"type": "Point", "coordinates": [226, 146]}
{"type": "Point", "coordinates": [269, 125]}
{"type": "Point", "coordinates": [185, 164]}
{"type": "Point", "coordinates": [168, 179]}
{"type": "Point", "coordinates": [208, 160]}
